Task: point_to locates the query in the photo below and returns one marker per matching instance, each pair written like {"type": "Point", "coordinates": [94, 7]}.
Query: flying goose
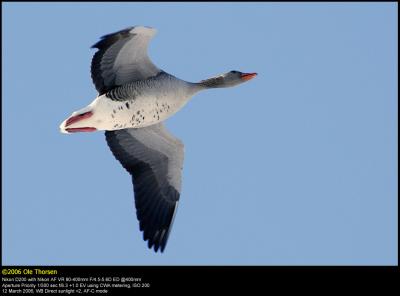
{"type": "Point", "coordinates": [134, 99]}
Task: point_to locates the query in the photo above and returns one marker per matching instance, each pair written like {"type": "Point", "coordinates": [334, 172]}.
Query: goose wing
{"type": "Point", "coordinates": [121, 58]}
{"type": "Point", "coordinates": [154, 158]}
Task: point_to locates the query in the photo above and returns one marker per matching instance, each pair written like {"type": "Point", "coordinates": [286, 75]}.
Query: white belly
{"type": "Point", "coordinates": [142, 111]}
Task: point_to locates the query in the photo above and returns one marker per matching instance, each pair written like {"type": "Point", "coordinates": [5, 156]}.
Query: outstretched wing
{"type": "Point", "coordinates": [154, 158]}
{"type": "Point", "coordinates": [122, 58]}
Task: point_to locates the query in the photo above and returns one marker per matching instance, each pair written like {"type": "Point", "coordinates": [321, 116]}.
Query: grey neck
{"type": "Point", "coordinates": [214, 82]}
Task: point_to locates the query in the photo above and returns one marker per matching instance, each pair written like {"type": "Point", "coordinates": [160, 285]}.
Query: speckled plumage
{"type": "Point", "coordinates": [139, 103]}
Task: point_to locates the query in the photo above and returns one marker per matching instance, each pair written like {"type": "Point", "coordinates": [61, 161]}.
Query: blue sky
{"type": "Point", "coordinates": [296, 167]}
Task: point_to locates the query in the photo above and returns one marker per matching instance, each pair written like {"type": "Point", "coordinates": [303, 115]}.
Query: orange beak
{"type": "Point", "coordinates": [248, 76]}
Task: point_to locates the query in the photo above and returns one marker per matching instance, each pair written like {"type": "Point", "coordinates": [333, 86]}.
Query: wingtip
{"type": "Point", "coordinates": [145, 30]}
{"type": "Point", "coordinates": [105, 38]}
{"type": "Point", "coordinates": [156, 242]}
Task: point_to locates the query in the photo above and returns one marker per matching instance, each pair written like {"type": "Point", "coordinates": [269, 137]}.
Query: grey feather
{"type": "Point", "coordinates": [154, 158]}
{"type": "Point", "coordinates": [122, 58]}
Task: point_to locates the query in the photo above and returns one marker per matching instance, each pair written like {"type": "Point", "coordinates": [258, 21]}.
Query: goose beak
{"type": "Point", "coordinates": [248, 76]}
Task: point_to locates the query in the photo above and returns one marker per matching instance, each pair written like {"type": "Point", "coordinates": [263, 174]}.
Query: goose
{"type": "Point", "coordinates": [134, 99]}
